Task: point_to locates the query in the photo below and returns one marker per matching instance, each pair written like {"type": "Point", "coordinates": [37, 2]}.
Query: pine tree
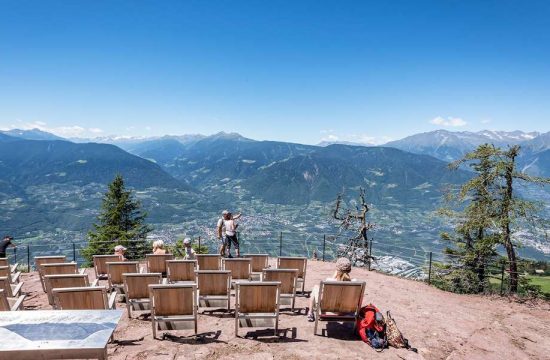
{"type": "Point", "coordinates": [120, 222]}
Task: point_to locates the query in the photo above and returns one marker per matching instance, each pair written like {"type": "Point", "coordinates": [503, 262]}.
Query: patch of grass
{"type": "Point", "coordinates": [542, 281]}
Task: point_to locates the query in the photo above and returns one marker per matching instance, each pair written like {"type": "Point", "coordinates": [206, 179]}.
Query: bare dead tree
{"type": "Point", "coordinates": [356, 248]}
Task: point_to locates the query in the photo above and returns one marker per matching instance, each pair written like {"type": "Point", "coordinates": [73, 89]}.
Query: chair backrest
{"type": "Point", "coordinates": [287, 278]}
{"type": "Point", "coordinates": [4, 262]}
{"type": "Point", "coordinates": [181, 270]}
{"type": "Point", "coordinates": [136, 285]}
{"type": "Point", "coordinates": [299, 263]}
{"type": "Point", "coordinates": [80, 298]}
{"type": "Point", "coordinates": [115, 270]}
{"type": "Point", "coordinates": [259, 261]}
{"type": "Point", "coordinates": [59, 268]}
{"type": "Point", "coordinates": [341, 296]}
{"type": "Point", "coordinates": [41, 260]}
{"type": "Point", "coordinates": [157, 263]}
{"type": "Point", "coordinates": [240, 268]}
{"type": "Point", "coordinates": [100, 263]}
{"type": "Point", "coordinates": [67, 280]}
{"type": "Point", "coordinates": [213, 282]}
{"type": "Point", "coordinates": [4, 303]}
{"type": "Point", "coordinates": [173, 299]}
{"type": "Point", "coordinates": [5, 270]}
{"type": "Point", "coordinates": [5, 284]}
{"type": "Point", "coordinates": [258, 297]}
{"type": "Point", "coordinates": [208, 261]}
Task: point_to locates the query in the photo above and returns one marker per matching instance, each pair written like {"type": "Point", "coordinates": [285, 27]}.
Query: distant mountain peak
{"type": "Point", "coordinates": [228, 136]}
{"type": "Point", "coordinates": [32, 134]}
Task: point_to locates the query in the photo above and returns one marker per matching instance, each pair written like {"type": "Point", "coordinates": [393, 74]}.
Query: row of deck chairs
{"type": "Point", "coordinates": [11, 297]}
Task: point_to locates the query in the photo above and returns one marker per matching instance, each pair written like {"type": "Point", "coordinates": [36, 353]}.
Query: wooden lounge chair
{"type": "Point", "coordinates": [100, 265]}
{"type": "Point", "coordinates": [5, 262]}
{"type": "Point", "coordinates": [10, 303]}
{"type": "Point", "coordinates": [65, 281]}
{"type": "Point", "coordinates": [11, 290]}
{"type": "Point", "coordinates": [299, 263]}
{"type": "Point", "coordinates": [41, 260]}
{"type": "Point", "coordinates": [339, 301]}
{"type": "Point", "coordinates": [61, 268]}
{"type": "Point", "coordinates": [14, 276]}
{"type": "Point", "coordinates": [288, 279]}
{"type": "Point", "coordinates": [214, 288]}
{"type": "Point", "coordinates": [157, 263]}
{"type": "Point", "coordinates": [180, 270]}
{"type": "Point", "coordinates": [209, 261]}
{"type": "Point", "coordinates": [256, 301]}
{"type": "Point", "coordinates": [240, 268]}
{"type": "Point", "coordinates": [259, 262]}
{"type": "Point", "coordinates": [136, 287]}
{"type": "Point", "coordinates": [172, 305]}
{"type": "Point", "coordinates": [115, 270]}
{"type": "Point", "coordinates": [83, 298]}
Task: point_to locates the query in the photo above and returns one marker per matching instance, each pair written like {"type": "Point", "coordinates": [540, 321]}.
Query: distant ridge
{"type": "Point", "coordinates": [33, 134]}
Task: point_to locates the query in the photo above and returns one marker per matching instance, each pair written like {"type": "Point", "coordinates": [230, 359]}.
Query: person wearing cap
{"type": "Point", "coordinates": [120, 250]}
{"type": "Point", "coordinates": [189, 252]}
{"type": "Point", "coordinates": [343, 268]}
{"type": "Point", "coordinates": [227, 233]}
{"type": "Point", "coordinates": [7, 241]}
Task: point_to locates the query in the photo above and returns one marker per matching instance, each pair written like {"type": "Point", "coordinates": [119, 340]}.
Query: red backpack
{"type": "Point", "coordinates": [367, 321]}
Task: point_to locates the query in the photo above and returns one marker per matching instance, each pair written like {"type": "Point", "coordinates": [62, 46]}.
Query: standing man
{"type": "Point", "coordinates": [221, 231]}
{"type": "Point", "coordinates": [7, 241]}
{"type": "Point", "coordinates": [228, 228]}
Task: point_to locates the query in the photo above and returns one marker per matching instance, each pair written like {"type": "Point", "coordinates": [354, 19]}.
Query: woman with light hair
{"type": "Point", "coordinates": [158, 248]}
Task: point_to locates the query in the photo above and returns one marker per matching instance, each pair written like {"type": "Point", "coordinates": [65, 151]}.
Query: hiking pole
{"type": "Point", "coordinates": [370, 252]}
{"type": "Point", "coordinates": [502, 281]}
{"type": "Point", "coordinates": [324, 245]}
{"type": "Point", "coordinates": [430, 270]}
{"type": "Point", "coordinates": [74, 252]}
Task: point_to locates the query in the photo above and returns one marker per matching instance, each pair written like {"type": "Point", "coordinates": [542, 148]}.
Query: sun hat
{"type": "Point", "coordinates": [187, 241]}
{"type": "Point", "coordinates": [225, 212]}
{"type": "Point", "coordinates": [120, 248]}
{"type": "Point", "coordinates": [343, 265]}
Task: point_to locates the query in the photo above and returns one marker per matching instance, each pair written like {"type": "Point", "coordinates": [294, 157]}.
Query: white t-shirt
{"type": "Point", "coordinates": [228, 226]}
{"type": "Point", "coordinates": [189, 254]}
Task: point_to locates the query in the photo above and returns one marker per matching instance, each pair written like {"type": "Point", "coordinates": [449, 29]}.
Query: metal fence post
{"type": "Point", "coordinates": [200, 250]}
{"type": "Point", "coordinates": [502, 281]}
{"type": "Point", "coordinates": [14, 254]}
{"type": "Point", "coordinates": [370, 252]}
{"type": "Point", "coordinates": [29, 258]}
{"type": "Point", "coordinates": [430, 270]}
{"type": "Point", "coordinates": [281, 243]}
{"type": "Point", "coordinates": [74, 252]}
{"type": "Point", "coordinates": [324, 245]}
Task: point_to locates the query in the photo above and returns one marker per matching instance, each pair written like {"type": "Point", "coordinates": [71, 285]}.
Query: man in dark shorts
{"type": "Point", "coordinates": [227, 232]}
{"type": "Point", "coordinates": [7, 241]}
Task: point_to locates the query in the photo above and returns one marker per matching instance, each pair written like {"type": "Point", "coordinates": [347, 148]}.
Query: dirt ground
{"type": "Point", "coordinates": [440, 325]}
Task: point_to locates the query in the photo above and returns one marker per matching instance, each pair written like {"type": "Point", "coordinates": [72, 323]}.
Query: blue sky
{"type": "Point", "coordinates": [298, 71]}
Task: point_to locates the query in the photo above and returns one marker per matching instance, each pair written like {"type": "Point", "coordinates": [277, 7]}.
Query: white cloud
{"type": "Point", "coordinates": [448, 122]}
{"type": "Point", "coordinates": [63, 131]}
{"type": "Point", "coordinates": [330, 136]}
{"type": "Point", "coordinates": [486, 121]}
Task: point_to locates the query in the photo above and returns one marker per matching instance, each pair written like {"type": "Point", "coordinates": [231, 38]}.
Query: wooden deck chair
{"type": "Point", "coordinates": [65, 281]}
{"type": "Point", "coordinates": [61, 268]}
{"type": "Point", "coordinates": [259, 262]}
{"type": "Point", "coordinates": [209, 261]}
{"type": "Point", "coordinates": [100, 265]}
{"type": "Point", "coordinates": [299, 263]}
{"type": "Point", "coordinates": [288, 279]}
{"type": "Point", "coordinates": [115, 270]}
{"type": "Point", "coordinates": [83, 298]}
{"type": "Point", "coordinates": [5, 262]}
{"type": "Point", "coordinates": [173, 307]}
{"type": "Point", "coordinates": [41, 260]}
{"type": "Point", "coordinates": [11, 290]}
{"type": "Point", "coordinates": [257, 304]}
{"type": "Point", "coordinates": [240, 268]}
{"type": "Point", "coordinates": [339, 301]}
{"type": "Point", "coordinates": [214, 288]}
{"type": "Point", "coordinates": [157, 263]}
{"type": "Point", "coordinates": [14, 276]}
{"type": "Point", "coordinates": [9, 303]}
{"type": "Point", "coordinates": [136, 287]}
{"type": "Point", "coordinates": [180, 270]}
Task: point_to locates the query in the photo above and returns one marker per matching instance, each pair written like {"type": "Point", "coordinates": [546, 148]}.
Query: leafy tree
{"type": "Point", "coordinates": [492, 213]}
{"type": "Point", "coordinates": [121, 222]}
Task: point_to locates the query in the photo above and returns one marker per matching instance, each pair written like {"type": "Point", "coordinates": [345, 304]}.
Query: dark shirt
{"type": "Point", "coordinates": [4, 245]}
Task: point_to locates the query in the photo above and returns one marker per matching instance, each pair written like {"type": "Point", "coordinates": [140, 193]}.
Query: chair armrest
{"type": "Point", "coordinates": [14, 267]}
{"type": "Point", "coordinates": [18, 304]}
{"type": "Point", "coordinates": [112, 300]}
{"type": "Point", "coordinates": [15, 277]}
{"type": "Point", "coordinates": [17, 290]}
{"type": "Point", "coordinates": [82, 271]}
{"type": "Point", "coordinates": [164, 281]}
{"type": "Point", "coordinates": [95, 283]}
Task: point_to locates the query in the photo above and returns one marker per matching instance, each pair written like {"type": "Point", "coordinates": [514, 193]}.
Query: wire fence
{"type": "Point", "coordinates": [388, 257]}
